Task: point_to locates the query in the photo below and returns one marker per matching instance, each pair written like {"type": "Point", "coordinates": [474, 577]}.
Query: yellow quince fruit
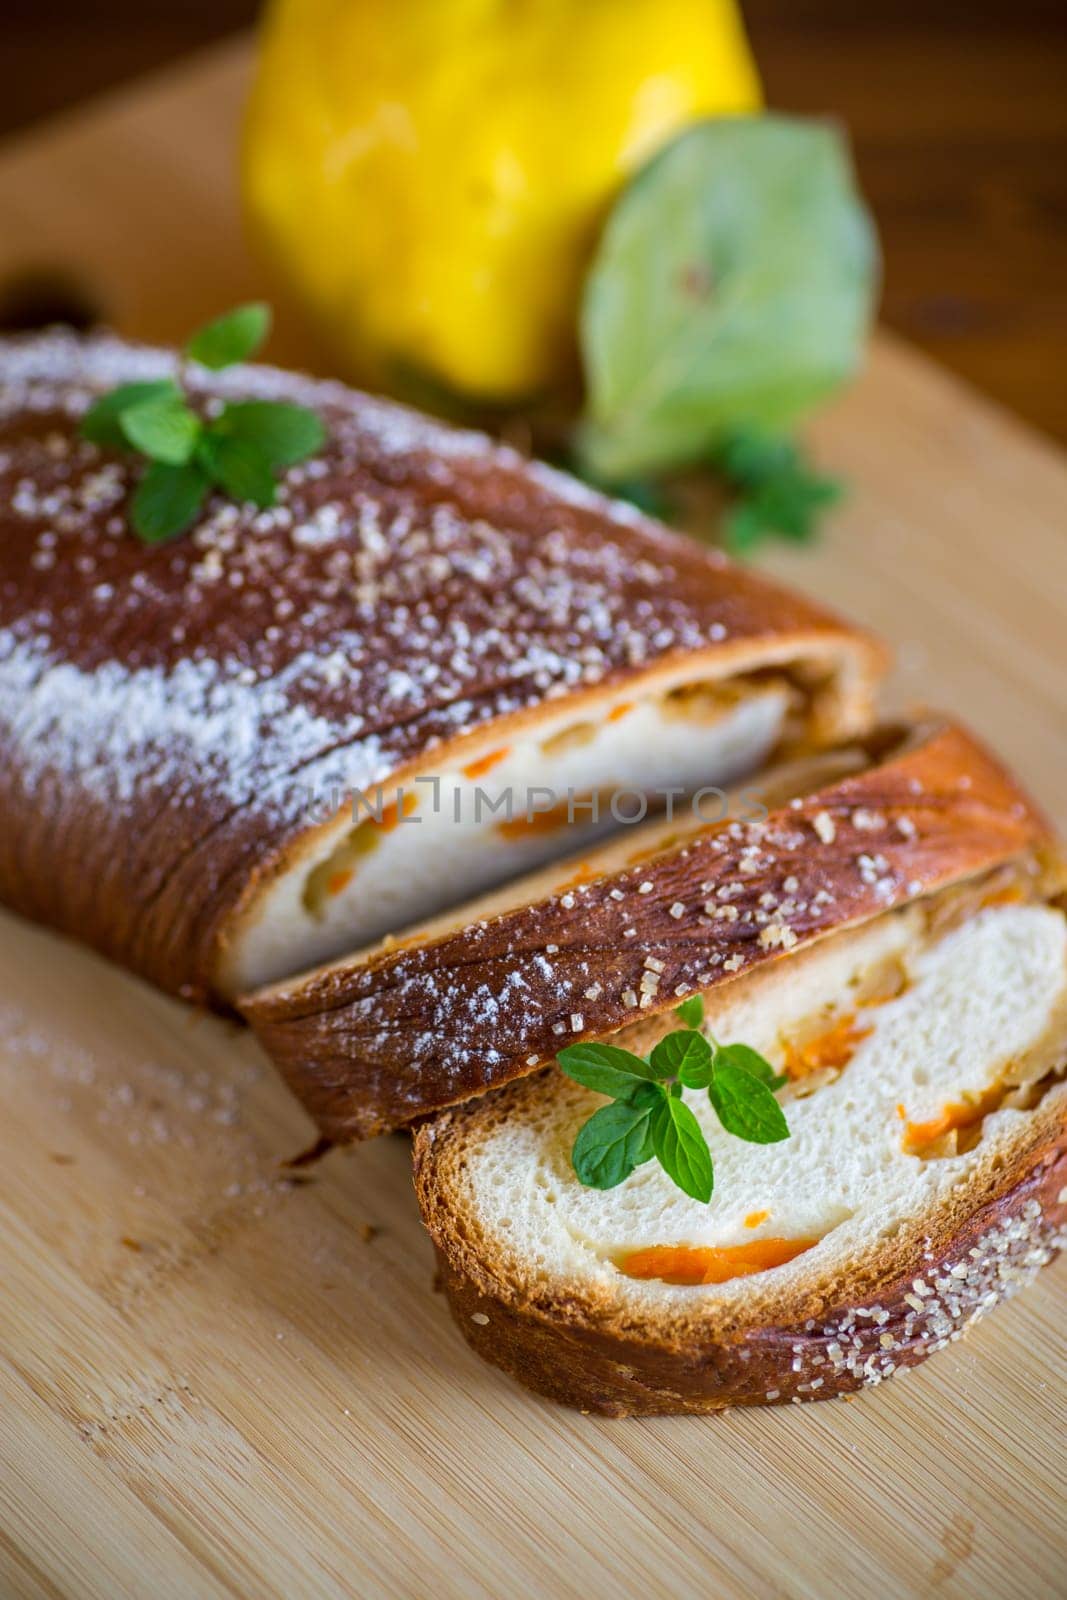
{"type": "Point", "coordinates": [429, 175]}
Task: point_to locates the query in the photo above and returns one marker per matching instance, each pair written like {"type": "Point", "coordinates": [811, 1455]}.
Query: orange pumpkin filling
{"type": "Point", "coordinates": [657, 849]}
{"type": "Point", "coordinates": [558, 816]}
{"type": "Point", "coordinates": [1013, 895]}
{"type": "Point", "coordinates": [918, 1136]}
{"type": "Point", "coordinates": [362, 840]}
{"type": "Point", "coordinates": [392, 814]}
{"type": "Point", "coordinates": [832, 1049]}
{"type": "Point", "coordinates": [534, 823]}
{"type": "Point", "coordinates": [584, 873]}
{"type": "Point", "coordinates": [479, 768]}
{"type": "Point", "coordinates": [689, 1264]}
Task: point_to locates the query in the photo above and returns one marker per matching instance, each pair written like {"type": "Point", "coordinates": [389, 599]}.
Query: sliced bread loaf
{"type": "Point", "coordinates": [924, 1178]}
{"type": "Point", "coordinates": [471, 1001]}
{"type": "Point", "coordinates": [188, 731]}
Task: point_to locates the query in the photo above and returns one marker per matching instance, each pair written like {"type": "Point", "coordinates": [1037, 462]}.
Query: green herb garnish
{"type": "Point", "coordinates": [779, 492]}
{"type": "Point", "coordinates": [240, 451]}
{"type": "Point", "coordinates": [234, 336]}
{"type": "Point", "coordinates": [648, 1117]}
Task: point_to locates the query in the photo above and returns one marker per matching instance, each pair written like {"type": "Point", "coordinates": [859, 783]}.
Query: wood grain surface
{"type": "Point", "coordinates": [218, 1381]}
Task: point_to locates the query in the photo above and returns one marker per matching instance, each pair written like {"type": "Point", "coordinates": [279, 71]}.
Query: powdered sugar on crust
{"type": "Point", "coordinates": [371, 1043]}
{"type": "Point", "coordinates": [502, 989]}
{"type": "Point", "coordinates": [216, 693]}
{"type": "Point", "coordinates": [64, 372]}
{"type": "Point", "coordinates": [114, 731]}
{"type": "Point", "coordinates": [869, 1343]}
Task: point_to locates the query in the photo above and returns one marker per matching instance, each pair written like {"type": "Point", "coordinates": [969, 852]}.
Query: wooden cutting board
{"type": "Point", "coordinates": [215, 1381]}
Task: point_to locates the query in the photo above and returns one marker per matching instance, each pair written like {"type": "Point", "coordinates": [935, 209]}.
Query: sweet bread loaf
{"type": "Point", "coordinates": [203, 743]}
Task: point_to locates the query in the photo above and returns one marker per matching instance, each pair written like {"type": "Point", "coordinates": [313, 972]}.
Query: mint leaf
{"type": "Point", "coordinates": [685, 1056]}
{"type": "Point", "coordinates": [281, 432]}
{"type": "Point", "coordinates": [697, 1075]}
{"type": "Point", "coordinates": [749, 1060]}
{"type": "Point", "coordinates": [691, 1011]}
{"type": "Point", "coordinates": [647, 495]}
{"type": "Point", "coordinates": [234, 336]}
{"type": "Point", "coordinates": [167, 501]}
{"type": "Point", "coordinates": [752, 458]}
{"type": "Point", "coordinates": [611, 1144]}
{"type": "Point", "coordinates": [240, 468]}
{"type": "Point", "coordinates": [782, 494]}
{"type": "Point", "coordinates": [681, 1149]}
{"type": "Point", "coordinates": [649, 1116]}
{"type": "Point", "coordinates": [732, 289]}
{"type": "Point", "coordinates": [239, 451]}
{"type": "Point", "coordinates": [605, 1068]}
{"type": "Point", "coordinates": [101, 424]}
{"type": "Point", "coordinates": [745, 1106]}
{"type": "Point", "coordinates": [163, 428]}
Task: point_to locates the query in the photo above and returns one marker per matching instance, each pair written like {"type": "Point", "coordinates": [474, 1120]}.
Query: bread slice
{"type": "Point", "coordinates": [924, 1179]}
{"type": "Point", "coordinates": [209, 750]}
{"type": "Point", "coordinates": [468, 1002]}
{"type": "Point", "coordinates": [458, 823]}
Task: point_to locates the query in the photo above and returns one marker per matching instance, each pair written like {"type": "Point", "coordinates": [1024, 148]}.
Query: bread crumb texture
{"type": "Point", "coordinates": [910, 1250]}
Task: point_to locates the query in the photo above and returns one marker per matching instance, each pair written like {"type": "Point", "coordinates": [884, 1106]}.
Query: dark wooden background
{"type": "Point", "coordinates": [958, 114]}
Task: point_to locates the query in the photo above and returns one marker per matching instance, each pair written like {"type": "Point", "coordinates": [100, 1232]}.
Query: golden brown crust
{"type": "Point", "coordinates": [378, 1042]}
{"type": "Point", "coordinates": [910, 1298]}
{"type": "Point", "coordinates": [173, 719]}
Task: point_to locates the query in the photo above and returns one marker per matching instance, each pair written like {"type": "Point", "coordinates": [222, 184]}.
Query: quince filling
{"type": "Point", "coordinates": [701, 705]}
{"type": "Point", "coordinates": [814, 1052]}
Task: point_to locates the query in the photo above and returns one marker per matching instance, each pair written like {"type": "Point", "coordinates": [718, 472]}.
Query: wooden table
{"type": "Point", "coordinates": [215, 1381]}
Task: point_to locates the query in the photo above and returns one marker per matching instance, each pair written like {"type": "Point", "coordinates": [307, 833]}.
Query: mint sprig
{"type": "Point", "coordinates": [239, 452]}
{"type": "Point", "coordinates": [234, 336]}
{"type": "Point", "coordinates": [166, 500]}
{"type": "Point", "coordinates": [648, 1117]}
{"type": "Point", "coordinates": [777, 491]}
{"type": "Point", "coordinates": [691, 1011]}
